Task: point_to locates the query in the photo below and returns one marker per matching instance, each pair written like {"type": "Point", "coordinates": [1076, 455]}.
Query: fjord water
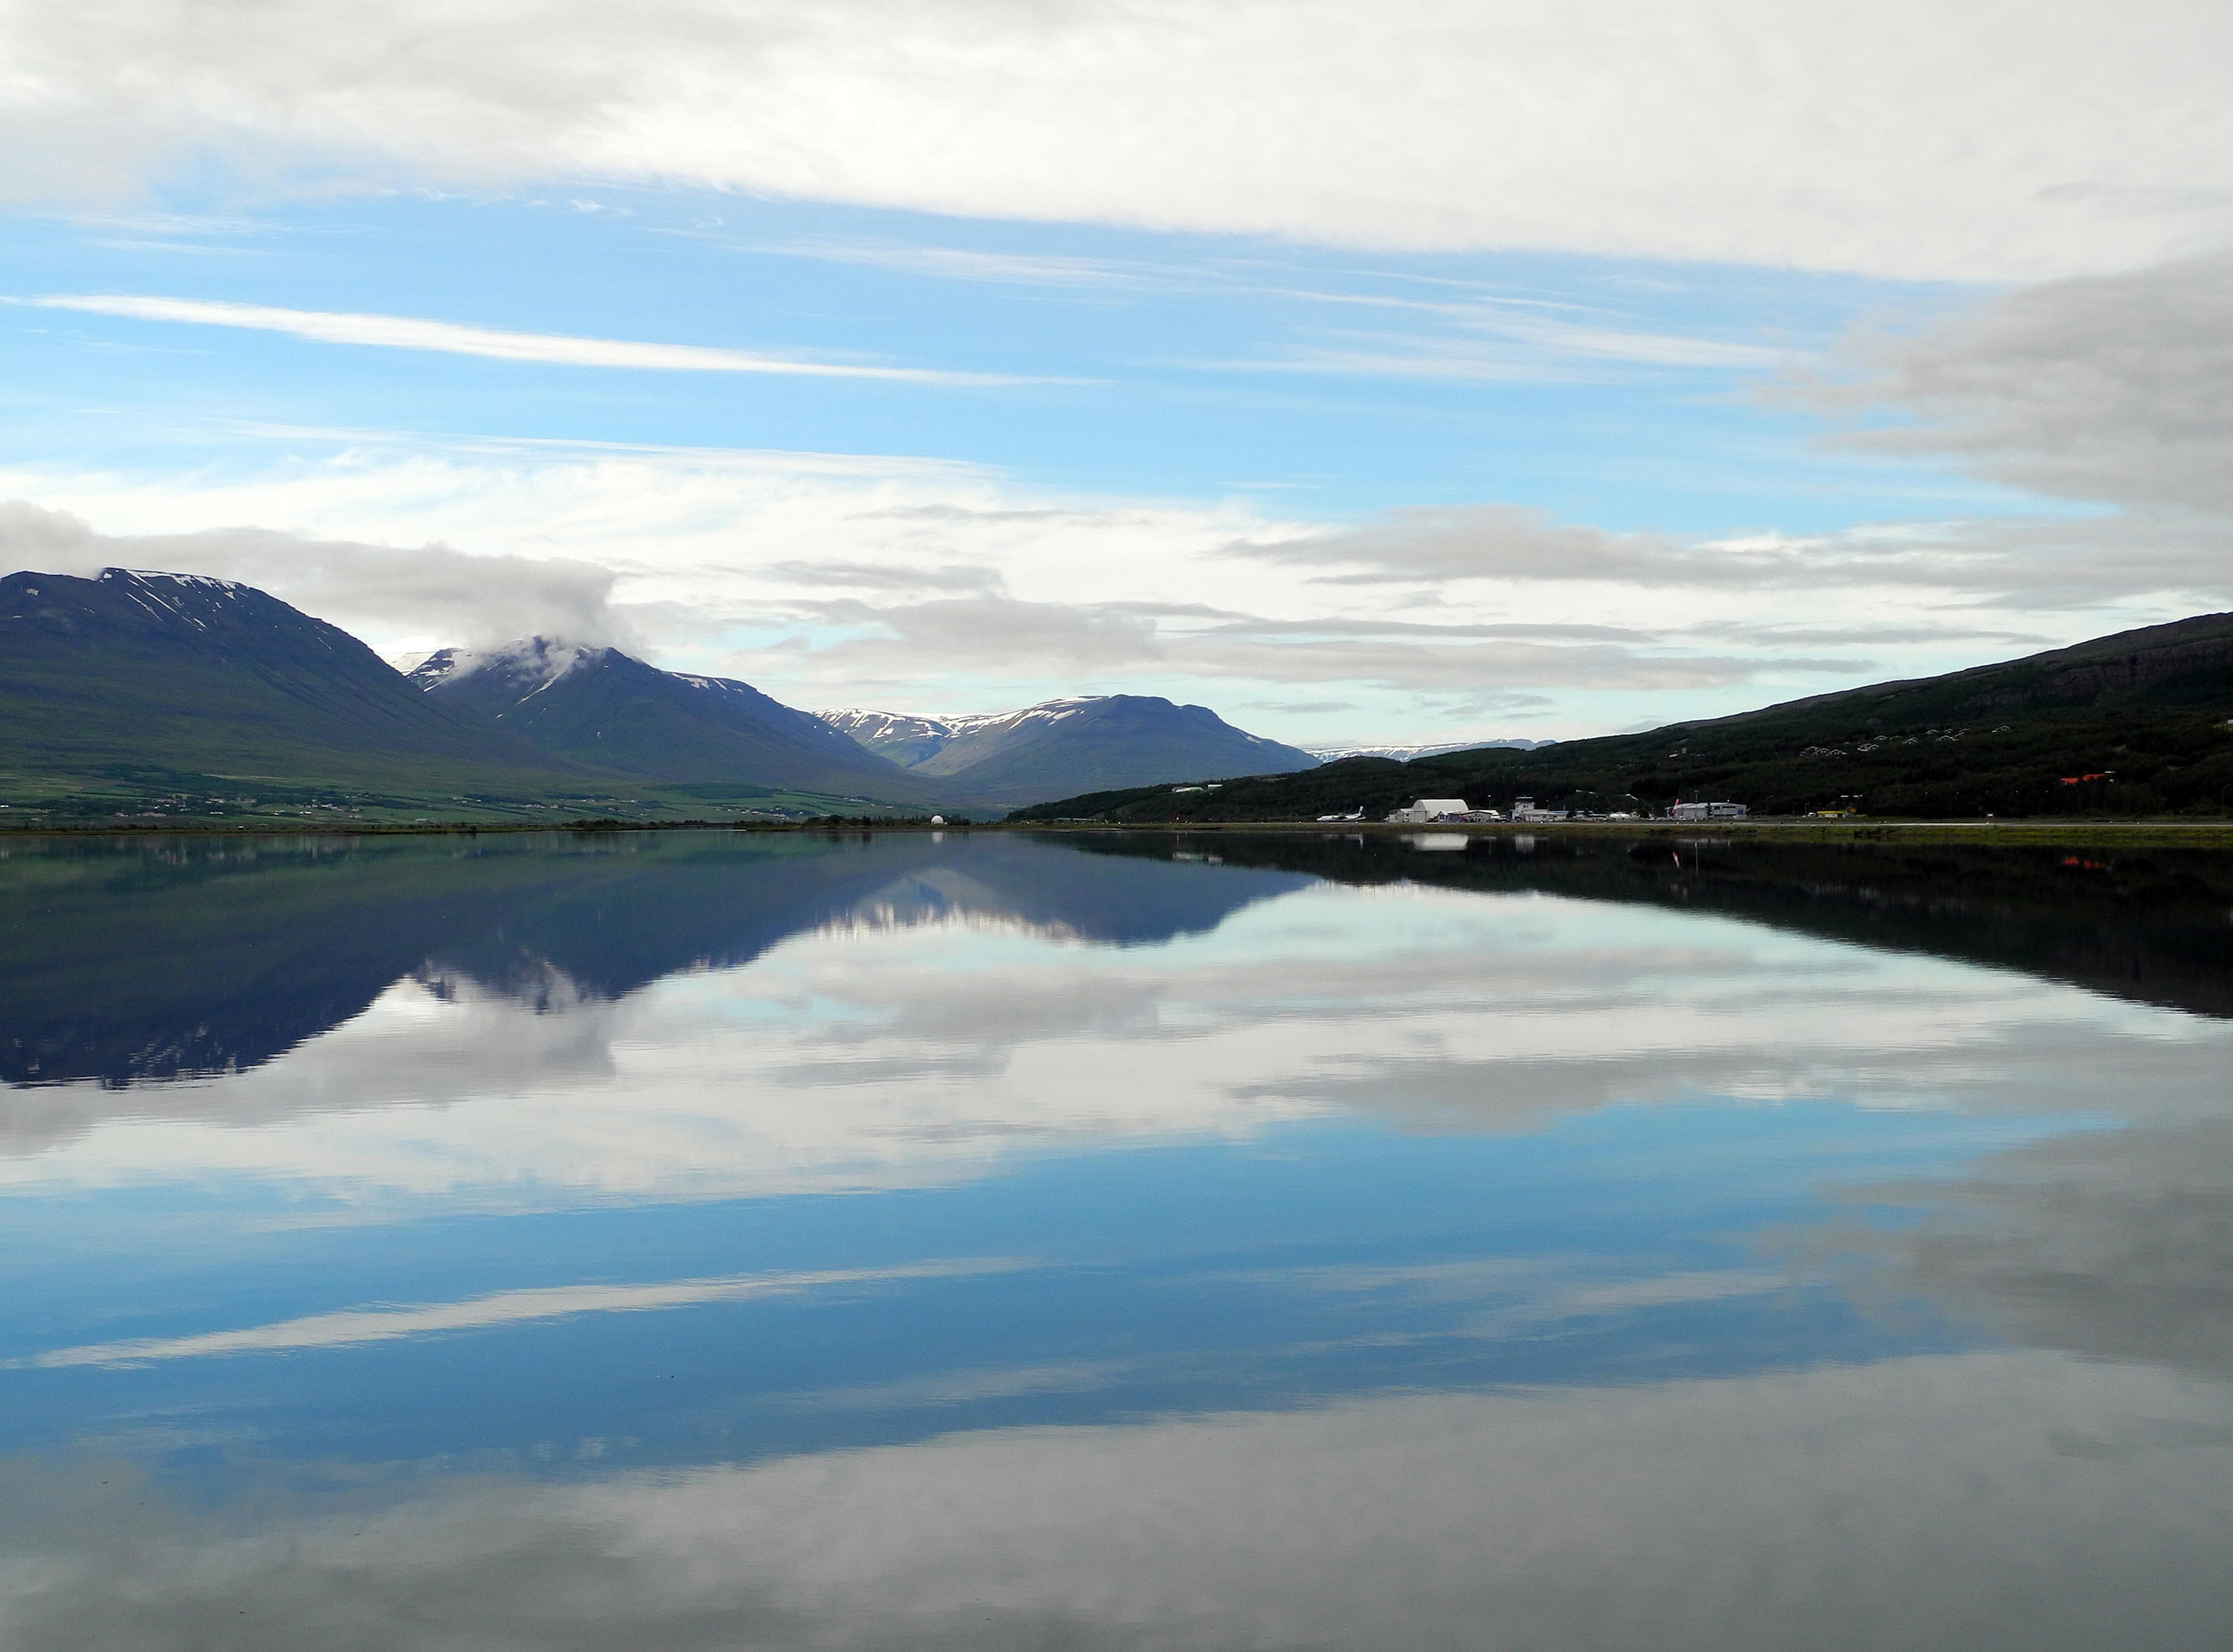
{"type": "Point", "coordinates": [706, 1240]}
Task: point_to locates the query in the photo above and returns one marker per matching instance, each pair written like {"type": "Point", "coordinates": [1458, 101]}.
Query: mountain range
{"type": "Point", "coordinates": [2137, 723]}
{"type": "Point", "coordinates": [142, 694]}
{"type": "Point", "coordinates": [145, 685]}
{"type": "Point", "coordinates": [1012, 756]}
{"type": "Point", "coordinates": [1411, 753]}
{"type": "Point", "coordinates": [608, 710]}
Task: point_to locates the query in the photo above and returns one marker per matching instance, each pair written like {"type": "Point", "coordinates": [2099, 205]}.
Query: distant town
{"type": "Point", "coordinates": [1455, 811]}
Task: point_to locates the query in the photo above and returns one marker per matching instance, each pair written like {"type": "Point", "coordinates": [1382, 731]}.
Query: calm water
{"type": "Point", "coordinates": [709, 1241]}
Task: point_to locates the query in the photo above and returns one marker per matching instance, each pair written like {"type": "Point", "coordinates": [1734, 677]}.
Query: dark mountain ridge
{"type": "Point", "coordinates": [2132, 724]}
{"type": "Point", "coordinates": [2184, 665]}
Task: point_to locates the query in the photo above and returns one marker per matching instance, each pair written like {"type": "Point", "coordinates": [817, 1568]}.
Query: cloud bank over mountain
{"type": "Point", "coordinates": [477, 598]}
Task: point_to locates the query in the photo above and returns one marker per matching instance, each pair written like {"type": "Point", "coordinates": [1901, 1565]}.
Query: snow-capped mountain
{"type": "Point", "coordinates": [1405, 754]}
{"type": "Point", "coordinates": [915, 742]}
{"type": "Point", "coordinates": [1061, 747]}
{"type": "Point", "coordinates": [903, 739]}
{"type": "Point", "coordinates": [597, 704]}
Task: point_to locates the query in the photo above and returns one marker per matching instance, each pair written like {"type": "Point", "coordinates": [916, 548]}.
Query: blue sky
{"type": "Point", "coordinates": [1189, 366]}
{"type": "Point", "coordinates": [1408, 373]}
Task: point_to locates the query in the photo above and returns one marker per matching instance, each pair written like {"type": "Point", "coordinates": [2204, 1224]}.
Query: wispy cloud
{"type": "Point", "coordinates": [451, 338]}
{"type": "Point", "coordinates": [358, 1325]}
{"type": "Point", "coordinates": [969, 263]}
{"type": "Point", "coordinates": [997, 632]}
{"type": "Point", "coordinates": [782, 461]}
{"type": "Point", "coordinates": [1494, 344]}
{"type": "Point", "coordinates": [1526, 332]}
{"type": "Point", "coordinates": [2037, 561]}
{"type": "Point", "coordinates": [1561, 328]}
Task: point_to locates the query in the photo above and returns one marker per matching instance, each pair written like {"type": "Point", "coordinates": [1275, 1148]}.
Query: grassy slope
{"type": "Point", "coordinates": [137, 688]}
{"type": "Point", "coordinates": [185, 701]}
{"type": "Point", "coordinates": [2147, 710]}
{"type": "Point", "coordinates": [2181, 763]}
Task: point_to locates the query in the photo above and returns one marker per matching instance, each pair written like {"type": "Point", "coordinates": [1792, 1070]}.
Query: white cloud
{"type": "Point", "coordinates": [2015, 563]}
{"type": "Point", "coordinates": [2107, 389]}
{"type": "Point", "coordinates": [916, 637]}
{"type": "Point", "coordinates": [1504, 343]}
{"type": "Point", "coordinates": [921, 586]}
{"type": "Point", "coordinates": [405, 333]}
{"type": "Point", "coordinates": [970, 263]}
{"type": "Point", "coordinates": [1908, 138]}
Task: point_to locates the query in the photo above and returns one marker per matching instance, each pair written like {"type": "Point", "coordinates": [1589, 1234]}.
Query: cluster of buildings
{"type": "Point", "coordinates": [1433, 811]}
{"type": "Point", "coordinates": [1455, 811]}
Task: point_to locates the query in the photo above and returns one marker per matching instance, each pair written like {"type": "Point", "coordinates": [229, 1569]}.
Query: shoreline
{"type": "Point", "coordinates": [2165, 833]}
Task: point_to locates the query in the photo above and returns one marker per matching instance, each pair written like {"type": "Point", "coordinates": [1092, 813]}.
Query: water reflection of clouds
{"type": "Point", "coordinates": [1597, 1388]}
{"type": "Point", "coordinates": [917, 1053]}
{"type": "Point", "coordinates": [353, 1327]}
{"type": "Point", "coordinates": [1987, 1501]}
{"type": "Point", "coordinates": [2115, 1245]}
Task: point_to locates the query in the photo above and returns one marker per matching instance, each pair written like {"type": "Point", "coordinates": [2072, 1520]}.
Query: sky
{"type": "Point", "coordinates": [1425, 370]}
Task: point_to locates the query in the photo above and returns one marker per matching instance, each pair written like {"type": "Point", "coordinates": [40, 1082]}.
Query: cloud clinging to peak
{"type": "Point", "coordinates": [430, 589]}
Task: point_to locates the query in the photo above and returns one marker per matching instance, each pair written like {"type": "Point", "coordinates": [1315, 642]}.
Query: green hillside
{"type": "Point", "coordinates": [176, 697]}
{"type": "Point", "coordinates": [2135, 723]}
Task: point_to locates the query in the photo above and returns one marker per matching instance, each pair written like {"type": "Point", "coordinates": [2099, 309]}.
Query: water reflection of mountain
{"type": "Point", "coordinates": [2113, 1244]}
{"type": "Point", "coordinates": [131, 960]}
{"type": "Point", "coordinates": [2153, 925]}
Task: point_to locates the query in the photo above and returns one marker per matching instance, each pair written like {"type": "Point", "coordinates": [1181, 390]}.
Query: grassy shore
{"type": "Point", "coordinates": [2186, 833]}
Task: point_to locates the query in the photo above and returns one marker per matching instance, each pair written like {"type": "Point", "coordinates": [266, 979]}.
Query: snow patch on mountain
{"type": "Point", "coordinates": [908, 738]}
{"type": "Point", "coordinates": [172, 595]}
{"type": "Point", "coordinates": [529, 666]}
{"type": "Point", "coordinates": [1405, 754]}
